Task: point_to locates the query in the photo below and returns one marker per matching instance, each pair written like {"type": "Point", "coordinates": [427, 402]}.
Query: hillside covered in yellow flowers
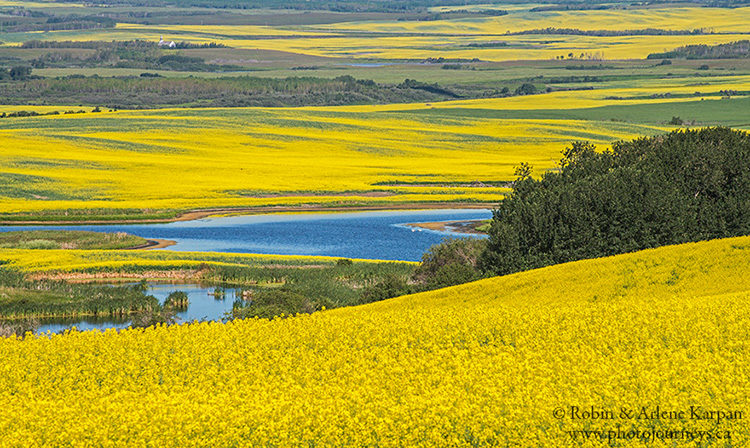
{"type": "Point", "coordinates": [519, 360]}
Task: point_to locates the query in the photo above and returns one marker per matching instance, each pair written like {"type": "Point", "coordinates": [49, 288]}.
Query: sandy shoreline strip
{"type": "Point", "coordinates": [464, 226]}
{"type": "Point", "coordinates": [154, 243]}
{"type": "Point", "coordinates": [205, 213]}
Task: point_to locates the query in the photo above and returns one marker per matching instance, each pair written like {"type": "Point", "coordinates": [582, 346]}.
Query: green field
{"type": "Point", "coordinates": [726, 112]}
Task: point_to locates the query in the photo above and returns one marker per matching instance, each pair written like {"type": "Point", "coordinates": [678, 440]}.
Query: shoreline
{"type": "Point", "coordinates": [191, 215]}
{"type": "Point", "coordinates": [468, 227]}
{"type": "Point", "coordinates": [153, 243]}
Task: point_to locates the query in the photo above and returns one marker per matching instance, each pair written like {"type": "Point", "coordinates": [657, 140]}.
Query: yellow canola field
{"type": "Point", "coordinates": [210, 30]}
{"type": "Point", "coordinates": [499, 362]}
{"type": "Point", "coordinates": [735, 20]}
{"type": "Point", "coordinates": [452, 38]}
{"type": "Point", "coordinates": [417, 40]}
{"type": "Point", "coordinates": [521, 47]}
{"type": "Point", "coordinates": [181, 158]}
{"type": "Point", "coordinates": [485, 7]}
{"type": "Point", "coordinates": [30, 260]}
{"type": "Point", "coordinates": [33, 4]}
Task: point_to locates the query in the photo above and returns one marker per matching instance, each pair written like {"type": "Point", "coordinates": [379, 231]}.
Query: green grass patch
{"type": "Point", "coordinates": [68, 239]}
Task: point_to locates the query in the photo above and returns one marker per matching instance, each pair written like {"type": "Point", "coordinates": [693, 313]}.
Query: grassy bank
{"type": "Point", "coordinates": [68, 239]}
{"type": "Point", "coordinates": [59, 299]}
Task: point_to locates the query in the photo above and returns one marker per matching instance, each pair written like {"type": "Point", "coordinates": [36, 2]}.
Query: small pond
{"type": "Point", "coordinates": [203, 305]}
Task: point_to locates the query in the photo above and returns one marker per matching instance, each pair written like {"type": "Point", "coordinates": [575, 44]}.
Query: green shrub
{"type": "Point", "coordinates": [526, 88]}
{"type": "Point", "coordinates": [272, 303]}
{"type": "Point", "coordinates": [689, 185]}
{"type": "Point", "coordinates": [177, 300]}
{"type": "Point", "coordinates": [452, 262]}
{"type": "Point", "coordinates": [389, 286]}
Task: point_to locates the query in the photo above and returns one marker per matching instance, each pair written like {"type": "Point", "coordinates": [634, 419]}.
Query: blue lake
{"type": "Point", "coordinates": [381, 235]}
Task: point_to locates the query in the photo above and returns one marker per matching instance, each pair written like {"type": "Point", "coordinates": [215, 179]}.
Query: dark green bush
{"type": "Point", "coordinates": [526, 88]}
{"type": "Point", "coordinates": [689, 185]}
{"type": "Point", "coordinates": [177, 300]}
{"type": "Point", "coordinates": [272, 303]}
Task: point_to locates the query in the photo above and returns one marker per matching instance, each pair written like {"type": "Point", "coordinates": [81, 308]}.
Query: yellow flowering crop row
{"type": "Point", "coordinates": [533, 359]}
{"type": "Point", "coordinates": [30, 260]}
{"type": "Point", "coordinates": [520, 47]}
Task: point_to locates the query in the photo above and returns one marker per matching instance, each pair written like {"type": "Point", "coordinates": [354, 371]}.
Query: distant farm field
{"type": "Point", "coordinates": [485, 38]}
{"type": "Point", "coordinates": [521, 19]}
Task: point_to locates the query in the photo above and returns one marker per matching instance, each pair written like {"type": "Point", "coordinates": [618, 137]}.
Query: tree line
{"type": "Point", "coordinates": [613, 33]}
{"type": "Point", "coordinates": [42, 22]}
{"type": "Point", "coordinates": [732, 50]}
{"type": "Point", "coordinates": [125, 54]}
{"type": "Point", "coordinates": [152, 90]}
{"type": "Point", "coordinates": [376, 5]}
{"type": "Point", "coordinates": [99, 44]}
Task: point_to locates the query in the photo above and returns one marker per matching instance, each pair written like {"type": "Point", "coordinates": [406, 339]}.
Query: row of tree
{"type": "Point", "coordinates": [115, 44]}
{"type": "Point", "coordinates": [152, 90]}
{"type": "Point", "coordinates": [141, 54]}
{"type": "Point", "coordinates": [732, 50]}
{"type": "Point", "coordinates": [43, 22]}
{"type": "Point", "coordinates": [608, 33]}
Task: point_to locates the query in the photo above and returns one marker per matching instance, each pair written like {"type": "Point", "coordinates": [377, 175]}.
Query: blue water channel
{"type": "Point", "coordinates": [379, 235]}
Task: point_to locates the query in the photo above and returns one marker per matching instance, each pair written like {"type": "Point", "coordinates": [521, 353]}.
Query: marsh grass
{"type": "Point", "coordinates": [280, 284]}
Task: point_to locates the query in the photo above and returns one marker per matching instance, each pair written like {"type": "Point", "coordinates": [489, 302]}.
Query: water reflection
{"type": "Point", "coordinates": [204, 305]}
